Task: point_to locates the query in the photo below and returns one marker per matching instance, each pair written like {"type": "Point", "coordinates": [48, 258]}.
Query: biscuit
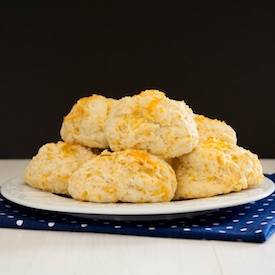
{"type": "Point", "coordinates": [84, 124]}
{"type": "Point", "coordinates": [50, 169]}
{"type": "Point", "coordinates": [151, 121]}
{"type": "Point", "coordinates": [215, 128]}
{"type": "Point", "coordinates": [125, 176]}
{"type": "Point", "coordinates": [216, 167]}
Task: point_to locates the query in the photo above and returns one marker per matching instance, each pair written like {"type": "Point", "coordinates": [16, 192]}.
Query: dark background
{"type": "Point", "coordinates": [218, 58]}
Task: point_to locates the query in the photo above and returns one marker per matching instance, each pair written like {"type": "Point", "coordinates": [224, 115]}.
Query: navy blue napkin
{"type": "Point", "coordinates": [251, 222]}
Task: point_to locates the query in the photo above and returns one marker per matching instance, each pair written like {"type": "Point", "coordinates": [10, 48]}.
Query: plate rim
{"type": "Point", "coordinates": [9, 188]}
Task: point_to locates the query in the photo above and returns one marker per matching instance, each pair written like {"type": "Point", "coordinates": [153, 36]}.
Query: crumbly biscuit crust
{"type": "Point", "coordinates": [125, 176]}
{"type": "Point", "coordinates": [150, 121]}
{"type": "Point", "coordinates": [216, 167]}
{"type": "Point", "coordinates": [216, 128]}
{"type": "Point", "coordinates": [51, 168]}
{"type": "Point", "coordinates": [84, 124]}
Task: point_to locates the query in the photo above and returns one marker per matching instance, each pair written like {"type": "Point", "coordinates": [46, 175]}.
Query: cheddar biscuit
{"type": "Point", "coordinates": [52, 166]}
{"type": "Point", "coordinates": [84, 124]}
{"type": "Point", "coordinates": [125, 176]}
{"type": "Point", "coordinates": [216, 167]}
{"type": "Point", "coordinates": [151, 121]}
{"type": "Point", "coordinates": [215, 128]}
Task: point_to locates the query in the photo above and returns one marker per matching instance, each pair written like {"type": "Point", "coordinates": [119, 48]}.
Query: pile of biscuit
{"type": "Point", "coordinates": [142, 148]}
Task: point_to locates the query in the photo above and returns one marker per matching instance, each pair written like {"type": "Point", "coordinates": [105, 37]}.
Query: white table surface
{"type": "Point", "coordinates": [51, 252]}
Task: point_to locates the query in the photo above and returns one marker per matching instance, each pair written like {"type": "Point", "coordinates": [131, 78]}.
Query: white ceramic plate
{"type": "Point", "coordinates": [17, 191]}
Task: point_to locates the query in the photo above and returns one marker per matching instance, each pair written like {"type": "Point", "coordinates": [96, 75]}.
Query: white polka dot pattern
{"type": "Point", "coordinates": [252, 222]}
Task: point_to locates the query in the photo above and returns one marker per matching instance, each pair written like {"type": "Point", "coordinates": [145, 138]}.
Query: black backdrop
{"type": "Point", "coordinates": [218, 58]}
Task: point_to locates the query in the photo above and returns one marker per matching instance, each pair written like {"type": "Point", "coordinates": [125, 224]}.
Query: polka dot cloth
{"type": "Point", "coordinates": [251, 222]}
